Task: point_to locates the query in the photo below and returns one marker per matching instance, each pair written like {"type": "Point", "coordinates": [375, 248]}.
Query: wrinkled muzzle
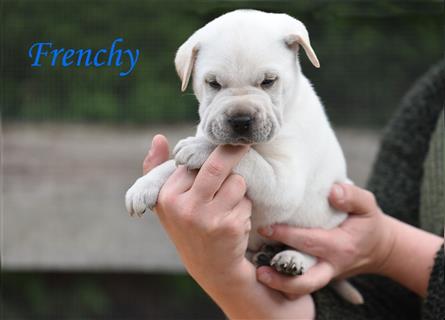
{"type": "Point", "coordinates": [247, 119]}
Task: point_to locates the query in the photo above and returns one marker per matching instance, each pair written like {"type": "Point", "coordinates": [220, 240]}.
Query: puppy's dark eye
{"type": "Point", "coordinates": [268, 82]}
{"type": "Point", "coordinates": [214, 84]}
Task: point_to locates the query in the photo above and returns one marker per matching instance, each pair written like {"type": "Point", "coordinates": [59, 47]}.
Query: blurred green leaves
{"type": "Point", "coordinates": [370, 53]}
{"type": "Point", "coordinates": [35, 295]}
{"type": "Point", "coordinates": [72, 296]}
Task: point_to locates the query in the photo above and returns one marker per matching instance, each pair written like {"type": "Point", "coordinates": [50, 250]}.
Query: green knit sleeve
{"type": "Point", "coordinates": [432, 198]}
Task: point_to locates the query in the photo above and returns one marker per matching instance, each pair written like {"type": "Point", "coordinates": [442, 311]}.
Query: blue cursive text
{"type": "Point", "coordinates": [40, 53]}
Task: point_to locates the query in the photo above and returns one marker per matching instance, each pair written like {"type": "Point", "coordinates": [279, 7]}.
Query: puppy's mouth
{"type": "Point", "coordinates": [240, 131]}
{"type": "Point", "coordinates": [241, 141]}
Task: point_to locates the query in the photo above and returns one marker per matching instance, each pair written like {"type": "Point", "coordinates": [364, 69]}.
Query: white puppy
{"type": "Point", "coordinates": [248, 81]}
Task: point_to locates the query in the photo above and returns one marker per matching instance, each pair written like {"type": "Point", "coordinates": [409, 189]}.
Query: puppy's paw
{"type": "Point", "coordinates": [291, 262]}
{"type": "Point", "coordinates": [192, 152]}
{"type": "Point", "coordinates": [142, 196]}
{"type": "Point", "coordinates": [265, 255]}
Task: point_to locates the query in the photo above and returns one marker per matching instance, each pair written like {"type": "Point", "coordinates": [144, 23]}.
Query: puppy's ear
{"type": "Point", "coordinates": [185, 61]}
{"type": "Point", "coordinates": [302, 38]}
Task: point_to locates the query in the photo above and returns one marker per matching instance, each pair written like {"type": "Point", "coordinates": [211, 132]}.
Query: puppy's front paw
{"type": "Point", "coordinates": [192, 152]}
{"type": "Point", "coordinates": [292, 262]}
{"type": "Point", "coordinates": [141, 196]}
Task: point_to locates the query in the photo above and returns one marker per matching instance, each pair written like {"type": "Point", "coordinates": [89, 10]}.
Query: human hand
{"type": "Point", "coordinates": [361, 244]}
{"type": "Point", "coordinates": [205, 214]}
{"type": "Point", "coordinates": [211, 237]}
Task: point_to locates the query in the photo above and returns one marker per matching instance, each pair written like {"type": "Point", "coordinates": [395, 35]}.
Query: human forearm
{"type": "Point", "coordinates": [240, 296]}
{"type": "Point", "coordinates": [411, 257]}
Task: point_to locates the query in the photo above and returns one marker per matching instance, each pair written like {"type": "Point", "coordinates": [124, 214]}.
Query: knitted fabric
{"type": "Point", "coordinates": [432, 201]}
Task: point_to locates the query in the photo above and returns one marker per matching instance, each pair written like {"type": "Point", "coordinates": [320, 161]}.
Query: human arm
{"type": "Point", "coordinates": [367, 242]}
{"type": "Point", "coordinates": [208, 219]}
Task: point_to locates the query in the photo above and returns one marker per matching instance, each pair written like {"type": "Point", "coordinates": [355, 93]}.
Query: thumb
{"type": "Point", "coordinates": [352, 199]}
{"type": "Point", "coordinates": [158, 153]}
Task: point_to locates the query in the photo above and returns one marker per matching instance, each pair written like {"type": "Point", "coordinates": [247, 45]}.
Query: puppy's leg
{"type": "Point", "coordinates": [265, 255]}
{"type": "Point", "coordinates": [292, 262]}
{"type": "Point", "coordinates": [144, 192]}
{"type": "Point", "coordinates": [193, 151]}
{"type": "Point", "coordinates": [264, 179]}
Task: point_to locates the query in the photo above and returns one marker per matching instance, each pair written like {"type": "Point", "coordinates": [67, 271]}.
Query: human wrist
{"type": "Point", "coordinates": [231, 289]}
{"type": "Point", "coordinates": [223, 281]}
{"type": "Point", "coordinates": [410, 256]}
{"type": "Point", "coordinates": [382, 260]}
{"type": "Point", "coordinates": [241, 296]}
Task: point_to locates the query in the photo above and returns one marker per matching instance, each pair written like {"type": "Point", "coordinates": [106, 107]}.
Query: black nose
{"type": "Point", "coordinates": [241, 123]}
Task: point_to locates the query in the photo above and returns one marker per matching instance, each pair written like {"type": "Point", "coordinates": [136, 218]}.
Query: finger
{"type": "Point", "coordinates": [180, 181]}
{"type": "Point", "coordinates": [158, 153]}
{"type": "Point", "coordinates": [242, 213]}
{"type": "Point", "coordinates": [315, 278]}
{"type": "Point", "coordinates": [352, 199]}
{"type": "Point", "coordinates": [243, 209]}
{"type": "Point", "coordinates": [316, 242]}
{"type": "Point", "coordinates": [231, 192]}
{"type": "Point", "coordinates": [216, 169]}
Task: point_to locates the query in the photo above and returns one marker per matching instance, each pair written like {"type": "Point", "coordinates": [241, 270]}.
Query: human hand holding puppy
{"type": "Point", "coordinates": [212, 239]}
{"type": "Point", "coordinates": [369, 241]}
{"type": "Point", "coordinates": [206, 214]}
{"type": "Point", "coordinates": [207, 217]}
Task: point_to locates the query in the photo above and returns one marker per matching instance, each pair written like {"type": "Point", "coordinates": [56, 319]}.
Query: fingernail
{"type": "Point", "coordinates": [266, 231]}
{"type": "Point", "coordinates": [339, 193]}
{"type": "Point", "coordinates": [265, 277]}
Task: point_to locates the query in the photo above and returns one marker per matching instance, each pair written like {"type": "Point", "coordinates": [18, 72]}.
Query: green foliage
{"type": "Point", "coordinates": [35, 295]}
{"type": "Point", "coordinates": [370, 53]}
{"type": "Point", "coordinates": [30, 296]}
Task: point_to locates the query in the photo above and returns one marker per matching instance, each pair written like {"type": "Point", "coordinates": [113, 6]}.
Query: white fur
{"type": "Point", "coordinates": [290, 173]}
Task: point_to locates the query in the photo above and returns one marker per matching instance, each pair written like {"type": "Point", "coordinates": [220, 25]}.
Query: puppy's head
{"type": "Point", "coordinates": [245, 72]}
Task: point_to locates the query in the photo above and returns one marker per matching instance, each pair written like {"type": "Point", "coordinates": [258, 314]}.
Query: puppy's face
{"type": "Point", "coordinates": [241, 96]}
{"type": "Point", "coordinates": [244, 77]}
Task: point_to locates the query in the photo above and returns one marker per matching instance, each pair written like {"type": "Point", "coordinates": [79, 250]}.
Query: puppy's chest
{"type": "Point", "coordinates": [273, 212]}
{"type": "Point", "coordinates": [265, 215]}
{"type": "Point", "coordinates": [283, 198]}
{"type": "Point", "coordinates": [273, 190]}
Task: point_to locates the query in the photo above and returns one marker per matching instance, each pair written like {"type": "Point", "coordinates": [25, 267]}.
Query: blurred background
{"type": "Point", "coordinates": [73, 139]}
